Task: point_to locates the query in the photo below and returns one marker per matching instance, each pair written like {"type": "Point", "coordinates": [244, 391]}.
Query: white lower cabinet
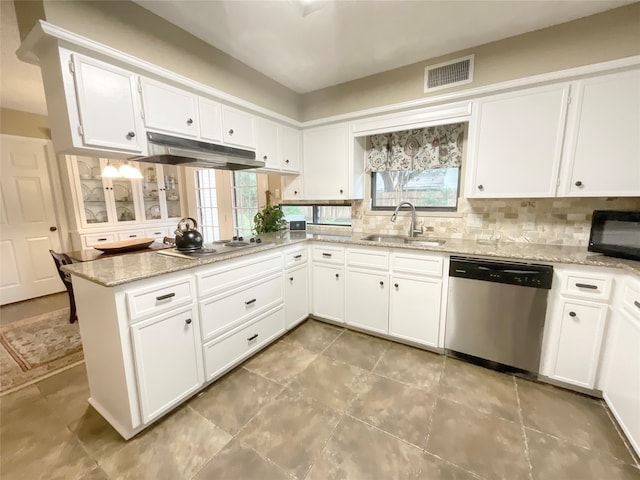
{"type": "Point", "coordinates": [228, 350]}
{"type": "Point", "coordinates": [296, 295]}
{"type": "Point", "coordinates": [328, 292]}
{"type": "Point", "coordinates": [168, 360]}
{"type": "Point", "coordinates": [578, 349]}
{"type": "Point", "coordinates": [367, 300]}
{"type": "Point", "coordinates": [414, 309]}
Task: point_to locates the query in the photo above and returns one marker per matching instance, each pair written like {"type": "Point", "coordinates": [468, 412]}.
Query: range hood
{"type": "Point", "coordinates": [167, 149]}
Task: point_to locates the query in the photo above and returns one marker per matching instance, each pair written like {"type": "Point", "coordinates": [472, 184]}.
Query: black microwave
{"type": "Point", "coordinates": [615, 233]}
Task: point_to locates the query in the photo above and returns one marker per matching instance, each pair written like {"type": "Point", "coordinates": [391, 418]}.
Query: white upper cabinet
{"type": "Point", "coordinates": [169, 109]}
{"type": "Point", "coordinates": [210, 120]}
{"type": "Point", "coordinates": [267, 143]}
{"type": "Point", "coordinates": [238, 128]}
{"type": "Point", "coordinates": [289, 140]}
{"type": "Point", "coordinates": [602, 154]}
{"type": "Point", "coordinates": [109, 117]}
{"type": "Point", "coordinates": [325, 157]}
{"type": "Point", "coordinates": [515, 143]}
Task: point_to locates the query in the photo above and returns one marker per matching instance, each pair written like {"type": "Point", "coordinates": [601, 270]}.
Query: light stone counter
{"type": "Point", "coordinates": [117, 270]}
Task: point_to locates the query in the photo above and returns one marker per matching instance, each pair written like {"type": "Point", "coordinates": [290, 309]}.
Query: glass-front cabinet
{"type": "Point", "coordinates": [161, 195]}
{"type": "Point", "coordinates": [103, 201]}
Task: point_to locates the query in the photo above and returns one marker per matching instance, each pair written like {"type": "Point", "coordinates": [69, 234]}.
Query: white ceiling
{"type": "Point", "coordinates": [329, 43]}
{"type": "Point", "coordinates": [347, 39]}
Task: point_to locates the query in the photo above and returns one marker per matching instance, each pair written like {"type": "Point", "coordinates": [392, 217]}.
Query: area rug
{"type": "Point", "coordinates": [36, 348]}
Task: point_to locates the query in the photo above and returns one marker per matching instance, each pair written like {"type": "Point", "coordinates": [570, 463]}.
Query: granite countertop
{"type": "Point", "coordinates": [118, 270]}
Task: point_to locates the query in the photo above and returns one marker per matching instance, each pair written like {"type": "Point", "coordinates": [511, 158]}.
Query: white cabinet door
{"type": "Point", "coordinates": [289, 140]}
{"type": "Point", "coordinates": [578, 344]}
{"type": "Point", "coordinates": [210, 120]}
{"type": "Point", "coordinates": [238, 128]}
{"type": "Point", "coordinates": [169, 109]}
{"type": "Point", "coordinates": [622, 385]}
{"type": "Point", "coordinates": [328, 292]}
{"type": "Point", "coordinates": [291, 187]}
{"type": "Point", "coordinates": [603, 144]}
{"type": "Point", "coordinates": [168, 359]}
{"type": "Point", "coordinates": [296, 296]}
{"type": "Point", "coordinates": [414, 311]}
{"type": "Point", "coordinates": [515, 143]}
{"type": "Point", "coordinates": [367, 300]}
{"type": "Point", "coordinates": [107, 105]}
{"type": "Point", "coordinates": [325, 160]}
{"type": "Point", "coordinates": [267, 143]}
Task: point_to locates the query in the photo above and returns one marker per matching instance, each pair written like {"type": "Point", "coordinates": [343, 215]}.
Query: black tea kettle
{"type": "Point", "coordinates": [188, 238]}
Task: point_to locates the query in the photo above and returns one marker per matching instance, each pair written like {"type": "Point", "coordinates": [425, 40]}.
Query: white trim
{"type": "Point", "coordinates": [474, 93]}
{"type": "Point", "coordinates": [43, 29]}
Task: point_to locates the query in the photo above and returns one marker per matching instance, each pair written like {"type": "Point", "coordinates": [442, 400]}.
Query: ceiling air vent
{"type": "Point", "coordinates": [448, 74]}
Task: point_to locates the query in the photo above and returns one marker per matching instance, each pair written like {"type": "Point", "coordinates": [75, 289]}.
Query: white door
{"type": "Point", "coordinates": [26, 217]}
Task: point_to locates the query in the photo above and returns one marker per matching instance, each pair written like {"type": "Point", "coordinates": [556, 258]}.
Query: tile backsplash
{"type": "Point", "coordinates": [560, 221]}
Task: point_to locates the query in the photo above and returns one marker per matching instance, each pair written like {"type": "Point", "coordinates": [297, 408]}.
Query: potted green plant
{"type": "Point", "coordinates": [269, 219]}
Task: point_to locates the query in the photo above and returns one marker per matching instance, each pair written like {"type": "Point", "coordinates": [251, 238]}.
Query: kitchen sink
{"type": "Point", "coordinates": [417, 241]}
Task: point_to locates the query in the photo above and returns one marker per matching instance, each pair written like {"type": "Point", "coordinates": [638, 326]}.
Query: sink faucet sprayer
{"type": "Point", "coordinates": [412, 228]}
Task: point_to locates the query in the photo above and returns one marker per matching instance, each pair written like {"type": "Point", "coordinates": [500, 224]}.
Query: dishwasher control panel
{"type": "Point", "coordinates": [513, 273]}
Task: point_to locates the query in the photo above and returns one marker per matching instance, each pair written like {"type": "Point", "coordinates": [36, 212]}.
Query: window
{"type": "Point", "coordinates": [434, 189]}
{"type": "Point", "coordinates": [244, 198]}
{"type": "Point", "coordinates": [318, 214]}
{"type": "Point", "coordinates": [207, 204]}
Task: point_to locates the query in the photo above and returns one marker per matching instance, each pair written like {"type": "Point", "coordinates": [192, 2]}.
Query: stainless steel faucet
{"type": "Point", "coordinates": [413, 231]}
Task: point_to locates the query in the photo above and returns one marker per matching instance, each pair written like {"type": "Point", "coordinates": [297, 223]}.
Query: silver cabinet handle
{"type": "Point", "coordinates": [249, 302]}
{"type": "Point", "coordinates": [586, 285]}
{"type": "Point", "coordinates": [164, 297]}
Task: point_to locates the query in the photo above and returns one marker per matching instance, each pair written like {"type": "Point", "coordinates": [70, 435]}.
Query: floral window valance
{"type": "Point", "coordinates": [420, 149]}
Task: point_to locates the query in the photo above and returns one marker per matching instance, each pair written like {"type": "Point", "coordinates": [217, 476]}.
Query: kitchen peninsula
{"type": "Point", "coordinates": [157, 329]}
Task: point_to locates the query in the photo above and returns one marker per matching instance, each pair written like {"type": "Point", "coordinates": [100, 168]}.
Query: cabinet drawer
{"type": "Point", "coordinates": [371, 258]}
{"type": "Point", "coordinates": [295, 257]}
{"type": "Point", "coordinates": [129, 234]}
{"type": "Point", "coordinates": [158, 298]}
{"type": "Point", "coordinates": [96, 238]}
{"type": "Point", "coordinates": [224, 352]}
{"type": "Point", "coordinates": [328, 254]}
{"type": "Point", "coordinates": [631, 298]}
{"type": "Point", "coordinates": [157, 233]}
{"type": "Point", "coordinates": [416, 263]}
{"type": "Point", "coordinates": [587, 286]}
{"type": "Point", "coordinates": [237, 273]}
{"type": "Point", "coordinates": [230, 309]}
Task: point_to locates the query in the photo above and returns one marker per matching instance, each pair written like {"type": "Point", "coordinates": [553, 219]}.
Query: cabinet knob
{"type": "Point", "coordinates": [189, 121]}
{"type": "Point", "coordinates": [396, 285]}
{"type": "Point", "coordinates": [264, 158]}
{"type": "Point", "coordinates": [231, 131]}
{"type": "Point", "coordinates": [337, 275]}
{"type": "Point", "coordinates": [291, 278]}
{"type": "Point", "coordinates": [131, 134]}
{"type": "Point", "coordinates": [480, 187]}
{"type": "Point", "coordinates": [381, 283]}
{"type": "Point", "coordinates": [578, 183]}
{"type": "Point", "coordinates": [295, 192]}
{"type": "Point", "coordinates": [188, 321]}
{"type": "Point", "coordinates": [341, 190]}
{"type": "Point", "coordinates": [286, 161]}
{"type": "Point", "coordinates": [572, 314]}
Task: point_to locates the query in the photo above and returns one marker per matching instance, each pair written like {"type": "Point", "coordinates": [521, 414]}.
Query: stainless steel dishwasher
{"type": "Point", "coordinates": [496, 311]}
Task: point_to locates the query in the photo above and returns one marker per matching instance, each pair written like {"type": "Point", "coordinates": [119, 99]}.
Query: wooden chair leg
{"type": "Point", "coordinates": [73, 316]}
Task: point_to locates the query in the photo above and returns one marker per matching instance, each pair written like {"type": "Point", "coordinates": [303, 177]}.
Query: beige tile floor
{"type": "Point", "coordinates": [324, 403]}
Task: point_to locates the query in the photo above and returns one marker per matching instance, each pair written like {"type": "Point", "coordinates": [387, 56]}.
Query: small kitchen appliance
{"type": "Point", "coordinates": [615, 233]}
{"type": "Point", "coordinates": [297, 225]}
{"type": "Point", "coordinates": [188, 239]}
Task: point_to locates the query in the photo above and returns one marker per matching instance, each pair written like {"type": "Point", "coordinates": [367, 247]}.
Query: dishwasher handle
{"type": "Point", "coordinates": [513, 273]}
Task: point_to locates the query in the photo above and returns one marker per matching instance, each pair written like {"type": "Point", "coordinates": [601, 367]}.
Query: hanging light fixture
{"type": "Point", "coordinates": [129, 171]}
{"type": "Point", "coordinates": [110, 171]}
